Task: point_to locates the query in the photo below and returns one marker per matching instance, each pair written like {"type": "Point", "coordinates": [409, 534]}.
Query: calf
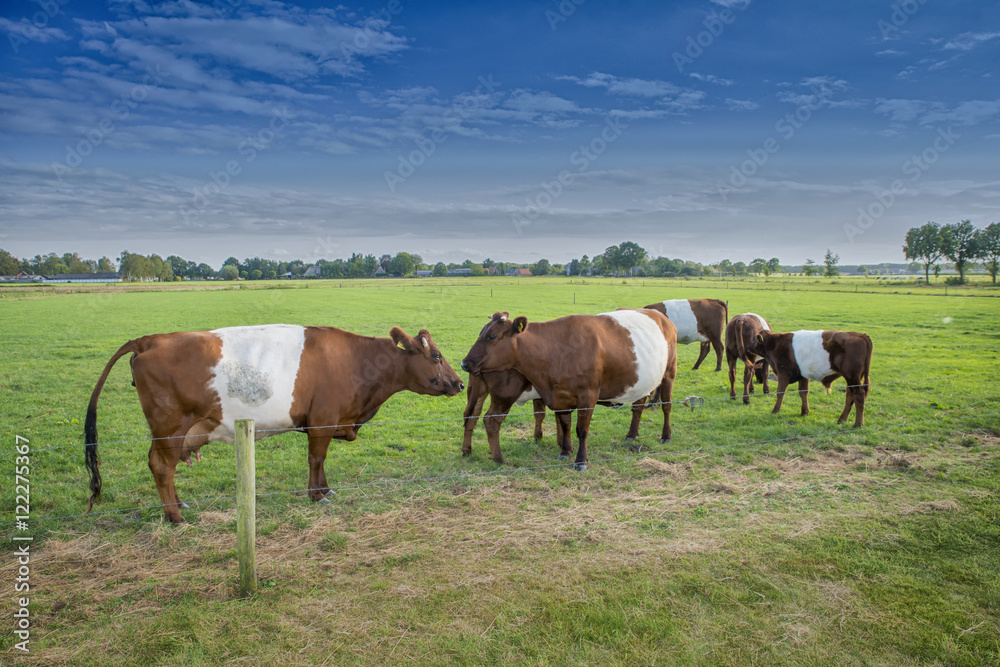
{"type": "Point", "coordinates": [320, 380]}
{"type": "Point", "coordinates": [741, 333]}
{"type": "Point", "coordinates": [577, 361]}
{"type": "Point", "coordinates": [697, 320]}
{"type": "Point", "coordinates": [505, 389]}
{"type": "Point", "coordinates": [823, 356]}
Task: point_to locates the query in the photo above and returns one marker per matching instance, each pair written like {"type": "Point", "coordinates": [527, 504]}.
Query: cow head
{"type": "Point", "coordinates": [425, 369]}
{"type": "Point", "coordinates": [763, 344]}
{"type": "Point", "coordinates": [496, 347]}
{"type": "Point", "coordinates": [760, 370]}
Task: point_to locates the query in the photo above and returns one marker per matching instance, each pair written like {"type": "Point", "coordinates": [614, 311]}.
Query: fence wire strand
{"type": "Point", "coordinates": [788, 393]}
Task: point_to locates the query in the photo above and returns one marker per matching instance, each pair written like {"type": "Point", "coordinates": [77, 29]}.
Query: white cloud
{"type": "Point", "coordinates": [629, 87]}
{"type": "Point", "coordinates": [741, 105]}
{"type": "Point", "coordinates": [967, 41]}
{"type": "Point", "coordinates": [711, 78]}
{"type": "Point", "coordinates": [25, 30]}
{"type": "Point", "coordinates": [972, 112]}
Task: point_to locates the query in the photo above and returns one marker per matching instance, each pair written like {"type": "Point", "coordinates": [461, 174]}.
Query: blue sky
{"type": "Point", "coordinates": [516, 130]}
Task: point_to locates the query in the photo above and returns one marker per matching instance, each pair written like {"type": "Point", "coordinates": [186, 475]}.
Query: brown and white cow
{"type": "Point", "coordinates": [577, 361]}
{"type": "Point", "coordinates": [324, 381]}
{"type": "Point", "coordinates": [697, 320]}
{"type": "Point", "coordinates": [504, 389]}
{"type": "Point", "coordinates": [741, 334]}
{"type": "Point", "coordinates": [823, 356]}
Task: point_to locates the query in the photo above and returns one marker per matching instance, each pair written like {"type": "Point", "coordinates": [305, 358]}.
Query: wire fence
{"type": "Point", "coordinates": [897, 426]}
{"type": "Point", "coordinates": [689, 401]}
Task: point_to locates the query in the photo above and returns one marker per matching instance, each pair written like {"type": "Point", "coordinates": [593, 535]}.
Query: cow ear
{"type": "Point", "coordinates": [402, 339]}
{"type": "Point", "coordinates": [759, 339]}
{"type": "Point", "coordinates": [501, 316]}
{"type": "Point", "coordinates": [520, 324]}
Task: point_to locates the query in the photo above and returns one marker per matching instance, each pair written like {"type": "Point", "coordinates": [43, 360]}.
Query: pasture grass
{"type": "Point", "coordinates": [750, 538]}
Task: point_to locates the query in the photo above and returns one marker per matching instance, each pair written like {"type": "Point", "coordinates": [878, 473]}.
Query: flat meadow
{"type": "Point", "coordinates": [750, 538]}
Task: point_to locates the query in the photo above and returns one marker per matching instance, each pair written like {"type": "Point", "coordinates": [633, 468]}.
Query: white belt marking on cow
{"type": "Point", "coordinates": [651, 353]}
{"type": "Point", "coordinates": [529, 395]}
{"type": "Point", "coordinates": [255, 378]}
{"type": "Point", "coordinates": [812, 358]}
{"type": "Point", "coordinates": [762, 321]}
{"type": "Point", "coordinates": [679, 312]}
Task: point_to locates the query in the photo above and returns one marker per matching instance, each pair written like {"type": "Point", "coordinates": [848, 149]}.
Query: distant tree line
{"type": "Point", "coordinates": [960, 242]}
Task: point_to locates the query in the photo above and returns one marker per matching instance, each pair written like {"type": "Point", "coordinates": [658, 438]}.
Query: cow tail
{"type": "Point", "coordinates": [90, 458]}
{"type": "Point", "coordinates": [868, 365]}
{"type": "Point", "coordinates": [741, 345]}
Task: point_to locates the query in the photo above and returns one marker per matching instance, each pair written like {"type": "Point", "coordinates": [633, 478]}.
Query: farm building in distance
{"type": "Point", "coordinates": [24, 277]}
{"type": "Point", "coordinates": [85, 278]}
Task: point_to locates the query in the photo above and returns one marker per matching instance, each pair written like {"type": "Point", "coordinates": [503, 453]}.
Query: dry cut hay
{"type": "Point", "coordinates": [931, 506]}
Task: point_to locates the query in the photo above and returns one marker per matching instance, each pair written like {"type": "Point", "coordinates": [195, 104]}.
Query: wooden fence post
{"type": "Point", "coordinates": [246, 507]}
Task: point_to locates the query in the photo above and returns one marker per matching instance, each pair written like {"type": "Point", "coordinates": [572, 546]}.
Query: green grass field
{"type": "Point", "coordinates": [751, 538]}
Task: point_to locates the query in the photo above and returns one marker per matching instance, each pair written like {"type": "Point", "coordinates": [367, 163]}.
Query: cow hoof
{"type": "Point", "coordinates": [325, 501]}
{"type": "Point", "coordinates": [562, 457]}
{"type": "Point", "coordinates": [664, 441]}
{"type": "Point", "coordinates": [331, 492]}
{"type": "Point", "coordinates": [579, 467]}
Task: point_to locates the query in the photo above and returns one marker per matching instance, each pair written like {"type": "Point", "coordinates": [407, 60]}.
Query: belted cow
{"type": "Point", "coordinates": [324, 381]}
{"type": "Point", "coordinates": [823, 356]}
{"type": "Point", "coordinates": [741, 333]}
{"type": "Point", "coordinates": [577, 361]}
{"type": "Point", "coordinates": [697, 320]}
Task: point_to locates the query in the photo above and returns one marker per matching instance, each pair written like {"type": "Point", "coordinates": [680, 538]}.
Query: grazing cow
{"type": "Point", "coordinates": [741, 332]}
{"type": "Point", "coordinates": [577, 361]}
{"type": "Point", "coordinates": [823, 356]}
{"type": "Point", "coordinates": [324, 381]}
{"type": "Point", "coordinates": [505, 389]}
{"type": "Point", "coordinates": [697, 320]}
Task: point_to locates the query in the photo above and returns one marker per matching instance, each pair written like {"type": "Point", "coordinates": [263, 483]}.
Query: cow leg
{"type": "Point", "coordinates": [705, 347]}
{"type": "Point", "coordinates": [666, 398]}
{"type": "Point", "coordinates": [860, 394]}
{"type": "Point", "coordinates": [473, 408]}
{"type": "Point", "coordinates": [848, 404]}
{"type": "Point", "coordinates": [538, 406]}
{"type": "Point", "coordinates": [718, 347]}
{"type": "Point", "coordinates": [583, 417]}
{"type": "Point", "coordinates": [318, 444]}
{"type": "Point", "coordinates": [747, 383]}
{"type": "Point", "coordinates": [163, 458]}
{"type": "Point", "coordinates": [492, 421]}
{"type": "Point", "coordinates": [767, 390]}
{"type": "Point", "coordinates": [633, 429]}
{"type": "Point", "coordinates": [564, 421]}
{"type": "Point", "coordinates": [804, 391]}
{"type": "Point", "coordinates": [782, 386]}
{"type": "Point", "coordinates": [732, 377]}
